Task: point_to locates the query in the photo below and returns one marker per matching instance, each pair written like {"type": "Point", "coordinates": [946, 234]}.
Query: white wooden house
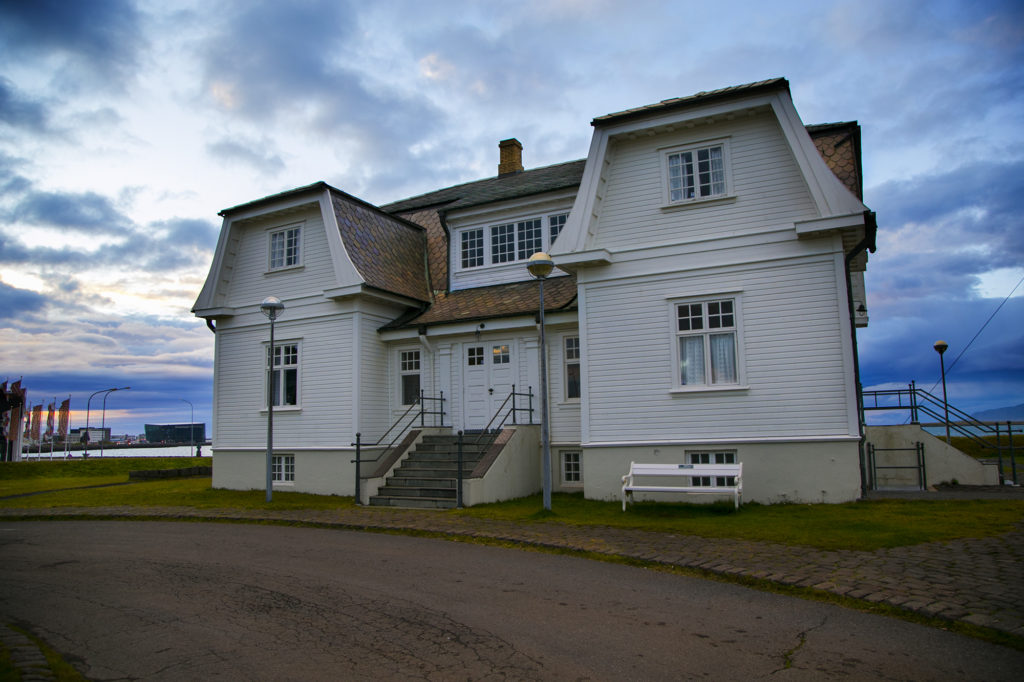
{"type": "Point", "coordinates": [710, 255]}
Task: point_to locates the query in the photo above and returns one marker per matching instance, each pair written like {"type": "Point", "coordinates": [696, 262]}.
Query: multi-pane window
{"type": "Point", "coordinates": [501, 355]}
{"type": "Point", "coordinates": [571, 466]}
{"type": "Point", "coordinates": [555, 225]}
{"type": "Point", "coordinates": [529, 238]}
{"type": "Point", "coordinates": [724, 457]}
{"type": "Point", "coordinates": [284, 375]}
{"type": "Point", "coordinates": [284, 248]}
{"type": "Point", "coordinates": [473, 248]}
{"type": "Point", "coordinates": [503, 243]}
{"type": "Point", "coordinates": [696, 173]}
{"type": "Point", "coordinates": [572, 367]}
{"type": "Point", "coordinates": [706, 340]}
{"type": "Point", "coordinates": [475, 356]}
{"type": "Point", "coordinates": [409, 369]}
{"type": "Point", "coordinates": [282, 468]}
{"type": "Point", "coordinates": [507, 242]}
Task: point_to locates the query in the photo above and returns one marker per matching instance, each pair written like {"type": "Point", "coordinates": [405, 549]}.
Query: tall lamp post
{"type": "Point", "coordinates": [103, 426]}
{"type": "Point", "coordinates": [940, 348]}
{"type": "Point", "coordinates": [88, 407]}
{"type": "Point", "coordinates": [540, 266]}
{"type": "Point", "coordinates": [272, 308]}
{"type": "Point", "coordinates": [191, 426]}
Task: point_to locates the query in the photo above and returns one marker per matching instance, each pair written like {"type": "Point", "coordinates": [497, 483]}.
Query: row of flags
{"type": "Point", "coordinates": [15, 410]}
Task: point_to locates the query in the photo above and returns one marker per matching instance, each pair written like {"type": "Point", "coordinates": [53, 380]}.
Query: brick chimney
{"type": "Point", "coordinates": [511, 159]}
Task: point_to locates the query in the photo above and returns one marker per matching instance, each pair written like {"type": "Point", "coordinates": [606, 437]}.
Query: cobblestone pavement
{"type": "Point", "coordinates": [976, 581]}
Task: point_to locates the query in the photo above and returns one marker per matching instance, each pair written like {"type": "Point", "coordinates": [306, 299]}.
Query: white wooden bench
{"type": "Point", "coordinates": [687, 471]}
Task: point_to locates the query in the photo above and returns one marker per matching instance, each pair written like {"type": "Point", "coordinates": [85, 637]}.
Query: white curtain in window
{"type": "Point", "coordinates": [717, 171]}
{"type": "Point", "coordinates": [691, 360]}
{"type": "Point", "coordinates": [723, 359]}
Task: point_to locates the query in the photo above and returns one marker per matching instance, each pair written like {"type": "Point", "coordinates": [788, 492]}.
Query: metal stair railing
{"type": "Point", "coordinates": [511, 412]}
{"type": "Point", "coordinates": [920, 401]}
{"type": "Point", "coordinates": [415, 411]}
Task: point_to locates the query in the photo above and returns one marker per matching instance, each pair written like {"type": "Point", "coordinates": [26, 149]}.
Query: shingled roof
{"type": "Point", "coordinates": [839, 145]}
{"type": "Point", "coordinates": [511, 186]}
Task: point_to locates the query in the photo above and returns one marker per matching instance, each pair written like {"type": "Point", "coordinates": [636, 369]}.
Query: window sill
{"type": "Point", "coordinates": [732, 388]}
{"type": "Point", "coordinates": [570, 402]}
{"type": "Point", "coordinates": [690, 203]}
{"type": "Point", "coordinates": [282, 408]}
{"type": "Point", "coordinates": [284, 484]}
{"type": "Point", "coordinates": [290, 268]}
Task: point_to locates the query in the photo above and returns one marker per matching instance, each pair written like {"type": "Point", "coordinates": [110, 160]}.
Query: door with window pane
{"type": "Point", "coordinates": [488, 375]}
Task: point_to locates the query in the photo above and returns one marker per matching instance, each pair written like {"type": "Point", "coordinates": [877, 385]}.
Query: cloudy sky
{"type": "Point", "coordinates": [126, 125]}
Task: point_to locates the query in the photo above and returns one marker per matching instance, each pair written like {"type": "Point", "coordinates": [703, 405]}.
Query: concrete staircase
{"type": "Point", "coordinates": [427, 478]}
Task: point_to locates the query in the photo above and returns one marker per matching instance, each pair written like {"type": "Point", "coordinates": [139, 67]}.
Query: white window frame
{"type": "Point", "coordinates": [405, 368]}
{"type": "Point", "coordinates": [282, 469]}
{"type": "Point", "coordinates": [705, 333]}
{"type": "Point", "coordinates": [286, 262]}
{"type": "Point", "coordinates": [516, 229]}
{"type": "Point", "coordinates": [711, 457]}
{"type": "Point", "coordinates": [277, 375]}
{"type": "Point", "coordinates": [570, 473]}
{"type": "Point", "coordinates": [695, 148]}
{"type": "Point", "coordinates": [566, 362]}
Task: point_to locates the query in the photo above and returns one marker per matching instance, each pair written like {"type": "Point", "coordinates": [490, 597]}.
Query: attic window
{"type": "Point", "coordinates": [285, 248]}
{"type": "Point", "coordinates": [696, 173]}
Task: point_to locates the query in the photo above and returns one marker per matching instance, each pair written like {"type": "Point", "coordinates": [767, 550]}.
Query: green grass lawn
{"type": "Point", "coordinates": [865, 525]}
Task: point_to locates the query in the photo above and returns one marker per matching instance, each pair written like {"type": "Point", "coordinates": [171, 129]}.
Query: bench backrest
{"type": "Point", "coordinates": [640, 469]}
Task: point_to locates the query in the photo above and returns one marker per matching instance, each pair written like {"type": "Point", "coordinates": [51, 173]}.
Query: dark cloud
{"type": "Point", "coordinates": [295, 69]}
{"type": "Point", "coordinates": [98, 41]}
{"type": "Point", "coordinates": [16, 302]}
{"type": "Point", "coordinates": [85, 211]}
{"type": "Point", "coordinates": [249, 153]}
{"type": "Point", "coordinates": [20, 112]}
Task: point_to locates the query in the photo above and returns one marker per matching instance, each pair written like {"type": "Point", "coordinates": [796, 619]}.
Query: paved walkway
{"type": "Point", "coordinates": [978, 581]}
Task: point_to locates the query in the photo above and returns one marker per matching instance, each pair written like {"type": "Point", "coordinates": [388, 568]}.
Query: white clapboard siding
{"type": "Point", "coordinates": [768, 188]}
{"type": "Point", "coordinates": [251, 281]}
{"type": "Point", "coordinates": [373, 379]}
{"type": "Point", "coordinates": [324, 417]}
{"type": "Point", "coordinates": [790, 343]}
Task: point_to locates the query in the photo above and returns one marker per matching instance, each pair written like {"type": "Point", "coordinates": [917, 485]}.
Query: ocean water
{"type": "Point", "coordinates": [172, 451]}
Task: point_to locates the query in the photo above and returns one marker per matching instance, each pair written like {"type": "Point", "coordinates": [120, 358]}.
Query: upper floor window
{"type": "Point", "coordinates": [572, 367]}
{"type": "Point", "coordinates": [696, 173]}
{"type": "Point", "coordinates": [508, 242]}
{"type": "Point", "coordinates": [555, 225]}
{"type": "Point", "coordinates": [285, 248]}
{"type": "Point", "coordinates": [706, 340]}
{"type": "Point", "coordinates": [284, 375]}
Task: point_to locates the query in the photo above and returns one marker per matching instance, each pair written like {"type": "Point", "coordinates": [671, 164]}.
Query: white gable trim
{"type": "Point", "coordinates": [345, 274]}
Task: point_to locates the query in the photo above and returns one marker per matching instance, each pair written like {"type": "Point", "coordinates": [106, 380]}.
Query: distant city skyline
{"type": "Point", "coordinates": [126, 125]}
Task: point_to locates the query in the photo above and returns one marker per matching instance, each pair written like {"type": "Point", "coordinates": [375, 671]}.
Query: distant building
{"type": "Point", "coordinates": [95, 435]}
{"type": "Point", "coordinates": [176, 433]}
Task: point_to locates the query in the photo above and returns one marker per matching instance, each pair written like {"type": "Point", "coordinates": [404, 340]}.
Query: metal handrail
{"type": "Point", "coordinates": [511, 412]}
{"type": "Point", "coordinates": [920, 401]}
{"type": "Point", "coordinates": [421, 414]}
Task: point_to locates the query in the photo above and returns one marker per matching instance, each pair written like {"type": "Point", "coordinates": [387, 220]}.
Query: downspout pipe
{"type": "Point", "coordinates": [868, 242]}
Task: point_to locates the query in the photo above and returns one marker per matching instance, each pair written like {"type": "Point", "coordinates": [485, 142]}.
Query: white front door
{"type": "Point", "coordinates": [488, 378]}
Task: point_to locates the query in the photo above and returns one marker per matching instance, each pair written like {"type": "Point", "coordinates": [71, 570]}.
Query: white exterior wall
{"type": "Point", "coordinates": [788, 344]}
{"type": "Point", "coordinates": [826, 472]}
{"type": "Point", "coordinates": [769, 190]}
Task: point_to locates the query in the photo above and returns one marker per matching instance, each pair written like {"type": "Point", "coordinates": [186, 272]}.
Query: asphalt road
{"type": "Point", "coordinates": [186, 601]}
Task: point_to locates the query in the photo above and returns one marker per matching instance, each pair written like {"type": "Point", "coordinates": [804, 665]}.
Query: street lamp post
{"type": "Point", "coordinates": [272, 308]}
{"type": "Point", "coordinates": [540, 266]}
{"type": "Point", "coordinates": [103, 427]}
{"type": "Point", "coordinates": [88, 407]}
{"type": "Point", "coordinates": [191, 426]}
{"type": "Point", "coordinates": [940, 348]}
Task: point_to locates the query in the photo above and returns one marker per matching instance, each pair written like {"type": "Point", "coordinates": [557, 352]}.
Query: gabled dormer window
{"type": "Point", "coordinates": [508, 242]}
{"type": "Point", "coordinates": [696, 173]}
{"type": "Point", "coordinates": [285, 248]}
